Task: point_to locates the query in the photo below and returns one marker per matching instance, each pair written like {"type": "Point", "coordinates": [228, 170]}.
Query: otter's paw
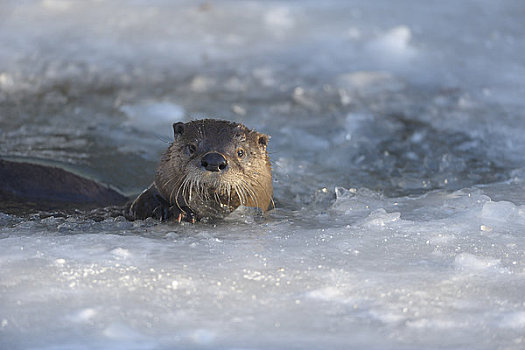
{"type": "Point", "coordinates": [160, 213]}
{"type": "Point", "coordinates": [187, 215]}
{"type": "Point", "coordinates": [148, 204]}
{"type": "Point", "coordinates": [164, 213]}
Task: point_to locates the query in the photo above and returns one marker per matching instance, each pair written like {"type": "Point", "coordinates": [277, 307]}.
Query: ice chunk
{"type": "Point", "coordinates": [121, 331]}
{"type": "Point", "coordinates": [501, 211]}
{"type": "Point", "coordinates": [279, 19]}
{"type": "Point", "coordinates": [306, 140]}
{"type": "Point", "coordinates": [56, 5]}
{"type": "Point", "coordinates": [380, 218]}
{"type": "Point", "coordinates": [370, 82]}
{"type": "Point", "coordinates": [6, 81]}
{"type": "Point", "coordinates": [83, 316]}
{"type": "Point", "coordinates": [238, 109]}
{"type": "Point", "coordinates": [201, 83]}
{"type": "Point", "coordinates": [60, 262]}
{"type": "Point", "coordinates": [394, 45]}
{"type": "Point", "coordinates": [153, 116]}
{"type": "Point", "coordinates": [470, 262]}
{"type": "Point", "coordinates": [121, 253]}
{"type": "Point", "coordinates": [514, 320]}
{"type": "Point", "coordinates": [359, 202]}
{"type": "Point", "coordinates": [327, 294]}
{"type": "Point", "coordinates": [203, 336]}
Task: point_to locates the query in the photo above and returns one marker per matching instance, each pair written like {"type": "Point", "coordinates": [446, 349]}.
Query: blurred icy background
{"type": "Point", "coordinates": [397, 146]}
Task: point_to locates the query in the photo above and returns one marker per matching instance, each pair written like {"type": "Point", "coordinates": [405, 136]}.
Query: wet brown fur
{"type": "Point", "coordinates": [184, 189]}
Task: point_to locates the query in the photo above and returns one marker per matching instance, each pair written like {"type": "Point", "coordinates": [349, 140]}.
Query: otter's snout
{"type": "Point", "coordinates": [214, 161]}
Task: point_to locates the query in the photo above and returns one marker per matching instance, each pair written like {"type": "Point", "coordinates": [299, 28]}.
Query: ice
{"type": "Point", "coordinates": [514, 320]}
{"type": "Point", "coordinates": [498, 210]}
{"type": "Point", "coordinates": [397, 153]}
{"type": "Point", "coordinates": [279, 20]}
{"type": "Point", "coordinates": [152, 116]}
{"type": "Point", "coordinates": [467, 261]}
{"type": "Point", "coordinates": [393, 46]}
{"type": "Point", "coordinates": [84, 315]}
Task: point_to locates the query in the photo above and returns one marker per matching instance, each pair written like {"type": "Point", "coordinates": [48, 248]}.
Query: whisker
{"type": "Point", "coordinates": [167, 182]}
{"type": "Point", "coordinates": [217, 199]}
{"type": "Point", "coordinates": [239, 194]}
{"type": "Point", "coordinates": [181, 186]}
{"type": "Point", "coordinates": [185, 190]}
{"type": "Point", "coordinates": [251, 193]}
{"type": "Point", "coordinates": [264, 190]}
{"type": "Point", "coordinates": [164, 139]}
{"type": "Point", "coordinates": [228, 193]}
{"type": "Point", "coordinates": [170, 199]}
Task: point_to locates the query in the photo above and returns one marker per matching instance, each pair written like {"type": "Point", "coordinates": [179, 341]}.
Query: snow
{"type": "Point", "coordinates": [397, 138]}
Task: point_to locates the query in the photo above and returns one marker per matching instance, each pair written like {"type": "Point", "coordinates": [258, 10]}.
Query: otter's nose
{"type": "Point", "coordinates": [214, 161]}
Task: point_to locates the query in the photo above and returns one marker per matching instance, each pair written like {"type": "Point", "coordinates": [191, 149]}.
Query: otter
{"type": "Point", "coordinates": [27, 188]}
{"type": "Point", "coordinates": [211, 168]}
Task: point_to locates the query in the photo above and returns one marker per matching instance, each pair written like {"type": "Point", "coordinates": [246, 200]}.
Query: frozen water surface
{"type": "Point", "coordinates": [397, 147]}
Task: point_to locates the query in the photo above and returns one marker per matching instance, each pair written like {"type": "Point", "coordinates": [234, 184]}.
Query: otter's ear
{"type": "Point", "coordinates": [178, 128]}
{"type": "Point", "coordinates": [262, 139]}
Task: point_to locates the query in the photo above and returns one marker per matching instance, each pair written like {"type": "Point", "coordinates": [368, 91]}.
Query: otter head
{"type": "Point", "coordinates": [216, 165]}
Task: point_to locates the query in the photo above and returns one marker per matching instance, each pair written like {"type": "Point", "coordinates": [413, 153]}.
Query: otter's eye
{"type": "Point", "coordinates": [191, 148]}
{"type": "Point", "coordinates": [240, 153]}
